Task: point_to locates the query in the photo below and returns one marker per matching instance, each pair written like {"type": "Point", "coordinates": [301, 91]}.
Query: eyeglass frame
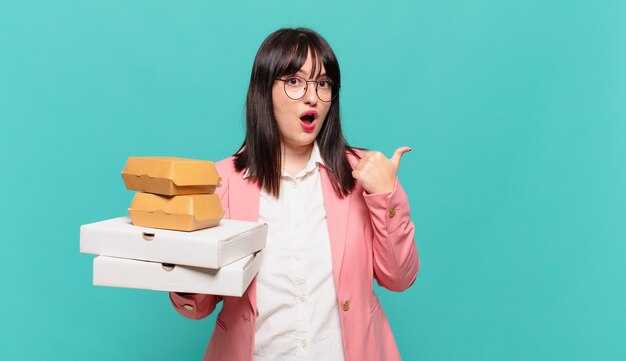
{"type": "Point", "coordinates": [306, 87]}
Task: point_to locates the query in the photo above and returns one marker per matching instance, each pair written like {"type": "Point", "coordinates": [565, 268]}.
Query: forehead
{"type": "Point", "coordinates": [312, 68]}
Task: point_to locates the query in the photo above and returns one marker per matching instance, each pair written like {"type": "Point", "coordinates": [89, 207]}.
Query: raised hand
{"type": "Point", "coordinates": [376, 172]}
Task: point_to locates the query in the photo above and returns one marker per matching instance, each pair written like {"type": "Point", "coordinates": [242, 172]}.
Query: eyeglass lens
{"type": "Point", "coordinates": [295, 88]}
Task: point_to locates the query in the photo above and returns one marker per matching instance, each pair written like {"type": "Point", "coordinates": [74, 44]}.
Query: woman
{"type": "Point", "coordinates": [337, 219]}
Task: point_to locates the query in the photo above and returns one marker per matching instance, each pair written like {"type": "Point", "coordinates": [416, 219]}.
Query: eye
{"type": "Point", "coordinates": [294, 81]}
{"type": "Point", "coordinates": [325, 84]}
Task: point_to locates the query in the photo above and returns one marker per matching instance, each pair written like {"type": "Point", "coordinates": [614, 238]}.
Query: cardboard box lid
{"type": "Point", "coordinates": [210, 247]}
{"type": "Point", "coordinates": [181, 172]}
{"type": "Point", "coordinates": [230, 280]}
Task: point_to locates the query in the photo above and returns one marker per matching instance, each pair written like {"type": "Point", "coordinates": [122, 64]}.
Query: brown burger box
{"type": "Point", "coordinates": [170, 175]}
{"type": "Point", "coordinates": [181, 213]}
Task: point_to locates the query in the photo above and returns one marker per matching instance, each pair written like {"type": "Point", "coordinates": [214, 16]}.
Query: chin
{"type": "Point", "coordinates": [309, 140]}
{"type": "Point", "coordinates": [301, 142]}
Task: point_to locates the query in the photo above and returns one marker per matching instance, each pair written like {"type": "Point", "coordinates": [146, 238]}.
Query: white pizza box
{"type": "Point", "coordinates": [212, 247]}
{"type": "Point", "coordinates": [230, 280]}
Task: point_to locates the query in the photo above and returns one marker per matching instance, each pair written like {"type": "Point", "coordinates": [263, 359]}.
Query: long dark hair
{"type": "Point", "coordinates": [282, 53]}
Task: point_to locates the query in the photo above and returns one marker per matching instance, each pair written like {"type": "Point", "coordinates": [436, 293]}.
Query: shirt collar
{"type": "Point", "coordinates": [314, 161]}
{"type": "Point", "coordinates": [312, 164]}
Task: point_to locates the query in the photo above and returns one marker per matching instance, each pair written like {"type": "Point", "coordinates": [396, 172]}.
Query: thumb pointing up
{"type": "Point", "coordinates": [397, 155]}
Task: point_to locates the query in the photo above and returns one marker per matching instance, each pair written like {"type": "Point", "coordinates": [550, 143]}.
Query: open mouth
{"type": "Point", "coordinates": [308, 118]}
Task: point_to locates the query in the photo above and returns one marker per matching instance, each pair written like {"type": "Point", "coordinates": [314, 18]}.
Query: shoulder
{"type": "Point", "coordinates": [354, 154]}
{"type": "Point", "coordinates": [359, 151]}
{"type": "Point", "coordinates": [226, 167]}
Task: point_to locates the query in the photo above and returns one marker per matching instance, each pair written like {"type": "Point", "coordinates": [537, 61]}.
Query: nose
{"type": "Point", "coordinates": [310, 95]}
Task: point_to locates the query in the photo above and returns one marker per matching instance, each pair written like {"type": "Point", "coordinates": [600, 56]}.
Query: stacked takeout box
{"type": "Point", "coordinates": [175, 238]}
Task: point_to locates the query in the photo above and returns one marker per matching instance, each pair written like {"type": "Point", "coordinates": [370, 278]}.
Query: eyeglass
{"type": "Point", "coordinates": [295, 88]}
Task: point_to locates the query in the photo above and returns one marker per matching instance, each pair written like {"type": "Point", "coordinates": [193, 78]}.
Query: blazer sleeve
{"type": "Point", "coordinates": [395, 258]}
{"type": "Point", "coordinates": [194, 305]}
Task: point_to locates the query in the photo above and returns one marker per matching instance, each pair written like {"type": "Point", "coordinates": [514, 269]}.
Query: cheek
{"type": "Point", "coordinates": [324, 114]}
{"type": "Point", "coordinates": [278, 103]}
{"type": "Point", "coordinates": [281, 112]}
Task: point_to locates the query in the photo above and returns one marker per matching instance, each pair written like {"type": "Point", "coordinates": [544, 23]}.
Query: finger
{"type": "Point", "coordinates": [356, 174]}
{"type": "Point", "coordinates": [397, 155]}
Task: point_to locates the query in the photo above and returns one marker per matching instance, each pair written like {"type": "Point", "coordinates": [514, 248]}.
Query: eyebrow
{"type": "Point", "coordinates": [321, 75]}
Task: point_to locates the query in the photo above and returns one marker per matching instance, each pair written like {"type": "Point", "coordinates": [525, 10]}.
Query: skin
{"type": "Point", "coordinates": [296, 143]}
{"type": "Point", "coordinates": [375, 172]}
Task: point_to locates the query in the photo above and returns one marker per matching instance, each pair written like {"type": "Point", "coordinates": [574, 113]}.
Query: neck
{"type": "Point", "coordinates": [295, 158]}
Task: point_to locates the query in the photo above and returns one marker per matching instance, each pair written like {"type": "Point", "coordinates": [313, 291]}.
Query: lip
{"type": "Point", "coordinates": [309, 127]}
{"type": "Point", "coordinates": [310, 112]}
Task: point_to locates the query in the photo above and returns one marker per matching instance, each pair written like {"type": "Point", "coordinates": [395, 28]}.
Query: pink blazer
{"type": "Point", "coordinates": [371, 238]}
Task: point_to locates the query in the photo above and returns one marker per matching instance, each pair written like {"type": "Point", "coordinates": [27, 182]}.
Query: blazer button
{"type": "Point", "coordinates": [246, 317]}
{"type": "Point", "coordinates": [188, 307]}
{"type": "Point", "coordinates": [346, 305]}
{"type": "Point", "coordinates": [392, 212]}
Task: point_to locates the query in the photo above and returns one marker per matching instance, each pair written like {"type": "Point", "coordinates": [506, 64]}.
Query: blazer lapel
{"type": "Point", "coordinates": [337, 210]}
{"type": "Point", "coordinates": [243, 204]}
{"type": "Point", "coordinates": [243, 199]}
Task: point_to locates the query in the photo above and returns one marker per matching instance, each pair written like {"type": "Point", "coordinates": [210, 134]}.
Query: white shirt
{"type": "Point", "coordinates": [298, 316]}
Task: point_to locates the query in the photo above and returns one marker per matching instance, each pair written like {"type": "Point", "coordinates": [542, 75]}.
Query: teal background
{"type": "Point", "coordinates": [515, 112]}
